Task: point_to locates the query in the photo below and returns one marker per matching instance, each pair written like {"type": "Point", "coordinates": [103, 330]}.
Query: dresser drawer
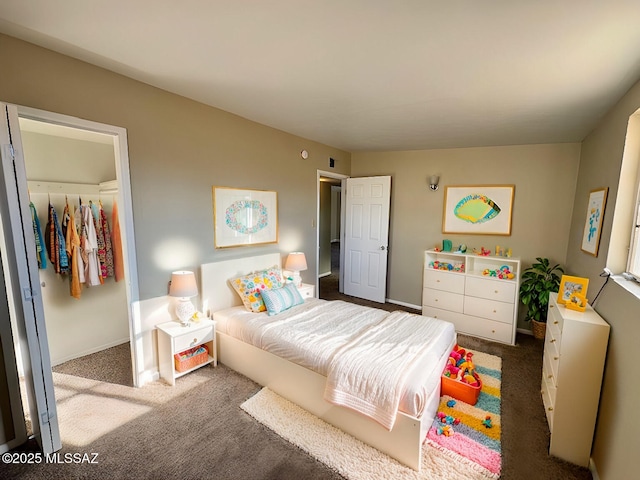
{"type": "Point", "coordinates": [501, 290]}
{"type": "Point", "coordinates": [548, 400]}
{"type": "Point", "coordinates": [492, 309]}
{"type": "Point", "coordinates": [443, 300]}
{"type": "Point", "coordinates": [192, 338]}
{"type": "Point", "coordinates": [449, 282]}
{"type": "Point", "coordinates": [554, 317]}
{"type": "Point", "coordinates": [552, 353]}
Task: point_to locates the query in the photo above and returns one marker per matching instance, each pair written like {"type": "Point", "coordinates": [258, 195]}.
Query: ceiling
{"type": "Point", "coordinates": [365, 75]}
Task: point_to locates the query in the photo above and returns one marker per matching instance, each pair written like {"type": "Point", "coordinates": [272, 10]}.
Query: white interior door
{"type": "Point", "coordinates": [367, 237]}
{"type": "Point", "coordinates": [20, 271]}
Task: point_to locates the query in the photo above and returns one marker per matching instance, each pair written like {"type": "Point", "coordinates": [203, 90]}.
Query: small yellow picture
{"type": "Point", "coordinates": [577, 302]}
{"type": "Point", "coordinates": [570, 286]}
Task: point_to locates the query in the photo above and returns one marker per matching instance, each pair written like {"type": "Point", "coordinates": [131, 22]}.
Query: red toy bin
{"type": "Point", "coordinates": [460, 390]}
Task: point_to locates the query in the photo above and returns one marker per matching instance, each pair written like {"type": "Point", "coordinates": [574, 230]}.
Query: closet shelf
{"type": "Point", "coordinates": [65, 188]}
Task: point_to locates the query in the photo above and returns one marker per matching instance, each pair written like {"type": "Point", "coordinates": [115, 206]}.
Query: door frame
{"type": "Point", "coordinates": [342, 178]}
{"type": "Point", "coordinates": [125, 210]}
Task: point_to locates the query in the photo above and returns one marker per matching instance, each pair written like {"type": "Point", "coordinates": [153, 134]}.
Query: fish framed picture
{"type": "Point", "coordinates": [478, 209]}
{"type": "Point", "coordinates": [244, 217]}
{"type": "Point", "coordinates": [593, 222]}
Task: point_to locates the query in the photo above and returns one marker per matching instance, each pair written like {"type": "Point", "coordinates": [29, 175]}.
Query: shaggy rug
{"type": "Point", "coordinates": [474, 429]}
{"type": "Point", "coordinates": [462, 455]}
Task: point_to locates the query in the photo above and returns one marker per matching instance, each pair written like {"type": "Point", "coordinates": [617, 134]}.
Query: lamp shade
{"type": "Point", "coordinates": [183, 284]}
{"type": "Point", "coordinates": [296, 262]}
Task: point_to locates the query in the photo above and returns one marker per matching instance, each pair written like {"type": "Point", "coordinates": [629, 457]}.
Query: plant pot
{"type": "Point", "coordinates": [539, 329]}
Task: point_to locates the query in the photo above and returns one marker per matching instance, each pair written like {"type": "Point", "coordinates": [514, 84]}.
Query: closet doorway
{"type": "Point", "coordinates": [67, 161]}
{"type": "Point", "coordinates": [68, 168]}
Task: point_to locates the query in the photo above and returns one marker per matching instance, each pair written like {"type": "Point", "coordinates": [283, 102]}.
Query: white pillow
{"type": "Point", "coordinates": [280, 299]}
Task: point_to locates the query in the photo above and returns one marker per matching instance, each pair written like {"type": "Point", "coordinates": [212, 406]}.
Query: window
{"type": "Point", "coordinates": [624, 246]}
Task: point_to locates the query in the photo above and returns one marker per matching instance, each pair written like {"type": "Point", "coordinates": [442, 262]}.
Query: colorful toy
{"type": "Point", "coordinates": [503, 273]}
{"type": "Point", "coordinates": [483, 252]}
{"type": "Point", "coordinates": [438, 265]}
{"type": "Point", "coordinates": [487, 422]}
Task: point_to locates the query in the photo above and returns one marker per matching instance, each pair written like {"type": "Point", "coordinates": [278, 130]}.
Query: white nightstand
{"type": "Point", "coordinates": [174, 338]}
{"type": "Point", "coordinates": [307, 290]}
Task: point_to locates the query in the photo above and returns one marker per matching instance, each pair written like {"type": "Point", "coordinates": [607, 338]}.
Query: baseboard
{"type": "Point", "coordinates": [524, 330]}
{"type": "Point", "coordinates": [83, 353]}
{"type": "Point", "coordinates": [593, 469]}
{"type": "Point", "coordinates": [326, 274]}
{"type": "Point", "coordinates": [404, 304]}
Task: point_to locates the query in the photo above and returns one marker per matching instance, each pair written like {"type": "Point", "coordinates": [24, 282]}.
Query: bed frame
{"type": "Point", "coordinates": [300, 385]}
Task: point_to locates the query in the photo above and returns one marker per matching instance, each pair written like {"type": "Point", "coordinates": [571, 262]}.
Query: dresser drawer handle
{"type": "Point", "coordinates": [550, 306]}
{"type": "Point", "coordinates": [494, 310]}
{"type": "Point", "coordinates": [556, 358]}
{"type": "Point", "coordinates": [438, 281]}
{"type": "Point", "coordinates": [552, 340]}
{"type": "Point", "coordinates": [550, 409]}
{"type": "Point", "coordinates": [495, 291]}
{"type": "Point", "coordinates": [556, 322]}
{"type": "Point", "coordinates": [549, 376]}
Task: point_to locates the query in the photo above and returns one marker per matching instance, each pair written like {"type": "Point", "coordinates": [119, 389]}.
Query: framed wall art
{"type": "Point", "coordinates": [572, 286]}
{"type": "Point", "coordinates": [593, 222]}
{"type": "Point", "coordinates": [244, 217]}
{"type": "Point", "coordinates": [478, 209]}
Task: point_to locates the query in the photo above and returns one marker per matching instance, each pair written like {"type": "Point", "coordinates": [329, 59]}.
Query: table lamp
{"type": "Point", "coordinates": [296, 262]}
{"type": "Point", "coordinates": [183, 286]}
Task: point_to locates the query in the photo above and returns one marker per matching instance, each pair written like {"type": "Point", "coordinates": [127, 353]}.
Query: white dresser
{"type": "Point", "coordinates": [471, 295]}
{"type": "Point", "coordinates": [575, 348]}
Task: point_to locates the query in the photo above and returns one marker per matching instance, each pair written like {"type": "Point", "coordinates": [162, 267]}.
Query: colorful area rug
{"type": "Point", "coordinates": [474, 430]}
{"type": "Point", "coordinates": [463, 455]}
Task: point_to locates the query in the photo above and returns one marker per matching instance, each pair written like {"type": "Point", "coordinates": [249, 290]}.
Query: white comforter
{"type": "Point", "coordinates": [324, 336]}
{"type": "Point", "coordinates": [368, 373]}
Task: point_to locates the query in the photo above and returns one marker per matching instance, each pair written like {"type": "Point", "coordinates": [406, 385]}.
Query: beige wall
{"type": "Point", "coordinates": [544, 178]}
{"type": "Point", "coordinates": [617, 436]}
{"type": "Point", "coordinates": [178, 149]}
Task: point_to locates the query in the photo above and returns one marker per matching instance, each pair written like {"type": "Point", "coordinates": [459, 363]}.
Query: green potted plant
{"type": "Point", "coordinates": [537, 282]}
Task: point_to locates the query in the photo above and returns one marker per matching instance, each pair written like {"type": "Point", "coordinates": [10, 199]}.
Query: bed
{"type": "Point", "coordinates": [268, 349]}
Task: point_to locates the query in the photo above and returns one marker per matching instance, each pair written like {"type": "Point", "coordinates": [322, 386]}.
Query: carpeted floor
{"type": "Point", "coordinates": [196, 430]}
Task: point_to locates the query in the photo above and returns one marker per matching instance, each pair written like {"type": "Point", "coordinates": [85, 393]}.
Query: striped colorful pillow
{"type": "Point", "coordinates": [280, 299]}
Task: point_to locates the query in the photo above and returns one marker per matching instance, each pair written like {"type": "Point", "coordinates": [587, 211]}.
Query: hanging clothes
{"type": "Point", "coordinates": [82, 258]}
{"type": "Point", "coordinates": [101, 251]}
{"type": "Point", "coordinates": [55, 243]}
{"type": "Point", "coordinates": [107, 266]}
{"type": "Point", "coordinates": [72, 240]}
{"type": "Point", "coordinates": [92, 267]}
{"type": "Point", "coordinates": [37, 232]}
{"type": "Point", "coordinates": [118, 259]}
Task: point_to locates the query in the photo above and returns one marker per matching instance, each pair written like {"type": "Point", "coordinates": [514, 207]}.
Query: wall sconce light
{"type": "Point", "coordinates": [183, 286]}
{"type": "Point", "coordinates": [433, 182]}
{"type": "Point", "coordinates": [296, 262]}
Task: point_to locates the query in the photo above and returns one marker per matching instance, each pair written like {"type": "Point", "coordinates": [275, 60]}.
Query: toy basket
{"type": "Point", "coordinates": [460, 390]}
{"type": "Point", "coordinates": [191, 358]}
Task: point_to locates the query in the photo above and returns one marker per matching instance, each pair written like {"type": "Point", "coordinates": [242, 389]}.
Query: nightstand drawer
{"type": "Point", "coordinates": [307, 291]}
{"type": "Point", "coordinates": [192, 338]}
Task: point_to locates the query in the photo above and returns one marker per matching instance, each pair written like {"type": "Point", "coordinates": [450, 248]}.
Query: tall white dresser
{"type": "Point", "coordinates": [575, 348]}
{"type": "Point", "coordinates": [471, 294]}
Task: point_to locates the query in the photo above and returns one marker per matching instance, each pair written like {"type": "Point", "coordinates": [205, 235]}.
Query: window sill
{"type": "Point", "coordinates": [629, 285]}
